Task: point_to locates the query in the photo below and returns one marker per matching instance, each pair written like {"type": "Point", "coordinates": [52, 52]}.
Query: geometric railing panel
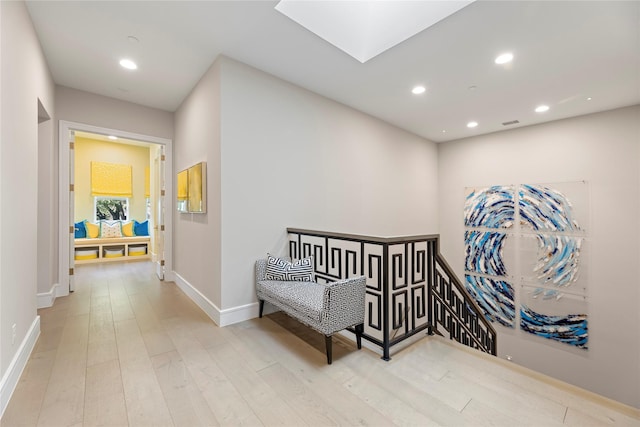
{"type": "Point", "coordinates": [410, 288]}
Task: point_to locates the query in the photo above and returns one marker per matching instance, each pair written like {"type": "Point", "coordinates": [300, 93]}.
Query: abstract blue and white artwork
{"type": "Point", "coordinates": [495, 298]}
{"type": "Point", "coordinates": [484, 252]}
{"type": "Point", "coordinates": [491, 207]}
{"type": "Point", "coordinates": [542, 208]}
{"type": "Point", "coordinates": [569, 329]}
{"type": "Point", "coordinates": [549, 239]}
{"type": "Point", "coordinates": [558, 259]}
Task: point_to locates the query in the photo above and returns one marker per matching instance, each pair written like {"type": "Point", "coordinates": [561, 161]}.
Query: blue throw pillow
{"type": "Point", "coordinates": [140, 228]}
{"type": "Point", "coordinates": [80, 230]}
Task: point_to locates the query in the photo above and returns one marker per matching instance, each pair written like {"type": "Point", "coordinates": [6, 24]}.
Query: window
{"type": "Point", "coordinates": [111, 208]}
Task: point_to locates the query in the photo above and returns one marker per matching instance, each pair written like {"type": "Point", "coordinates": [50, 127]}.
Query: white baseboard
{"type": "Point", "coordinates": [224, 317]}
{"type": "Point", "coordinates": [238, 314]}
{"type": "Point", "coordinates": [18, 363]}
{"type": "Point", "coordinates": [170, 276]}
{"type": "Point", "coordinates": [46, 299]}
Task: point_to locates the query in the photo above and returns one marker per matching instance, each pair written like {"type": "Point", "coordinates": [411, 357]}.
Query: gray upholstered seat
{"type": "Point", "coordinates": [327, 308]}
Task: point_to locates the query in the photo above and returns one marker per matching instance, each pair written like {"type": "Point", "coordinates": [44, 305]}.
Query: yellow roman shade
{"type": "Point", "coordinates": [147, 182]}
{"type": "Point", "coordinates": [111, 179]}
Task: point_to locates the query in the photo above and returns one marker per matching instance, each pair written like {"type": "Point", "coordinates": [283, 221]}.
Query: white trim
{"type": "Point", "coordinates": [239, 314]}
{"type": "Point", "coordinates": [170, 276]}
{"type": "Point", "coordinates": [196, 296]}
{"type": "Point", "coordinates": [63, 198]}
{"type": "Point", "coordinates": [16, 367]}
{"type": "Point", "coordinates": [221, 318]}
{"type": "Point", "coordinates": [46, 299]}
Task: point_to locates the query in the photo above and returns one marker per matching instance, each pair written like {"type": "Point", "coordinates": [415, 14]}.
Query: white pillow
{"type": "Point", "coordinates": [110, 229]}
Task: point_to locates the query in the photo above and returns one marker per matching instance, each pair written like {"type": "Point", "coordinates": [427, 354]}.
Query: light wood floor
{"type": "Point", "coordinates": [127, 349]}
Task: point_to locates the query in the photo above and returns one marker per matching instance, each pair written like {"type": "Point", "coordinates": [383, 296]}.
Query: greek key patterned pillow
{"type": "Point", "coordinates": [280, 269]}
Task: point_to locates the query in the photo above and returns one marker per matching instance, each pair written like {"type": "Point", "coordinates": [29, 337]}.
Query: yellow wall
{"type": "Point", "coordinates": [88, 150]}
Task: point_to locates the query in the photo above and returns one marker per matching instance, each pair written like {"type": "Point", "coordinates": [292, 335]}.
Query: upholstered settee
{"type": "Point", "coordinates": [327, 308]}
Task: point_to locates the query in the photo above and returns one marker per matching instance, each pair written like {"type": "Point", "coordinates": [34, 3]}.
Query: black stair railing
{"type": "Point", "coordinates": [410, 286]}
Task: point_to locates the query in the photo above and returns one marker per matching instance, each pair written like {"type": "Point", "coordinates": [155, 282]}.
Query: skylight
{"type": "Point", "coordinates": [365, 29]}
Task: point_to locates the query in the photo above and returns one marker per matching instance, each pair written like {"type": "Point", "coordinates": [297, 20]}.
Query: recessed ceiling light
{"type": "Point", "coordinates": [472, 124]}
{"type": "Point", "coordinates": [589, 99]}
{"type": "Point", "coordinates": [418, 90]}
{"type": "Point", "coordinates": [542, 108]}
{"type": "Point", "coordinates": [112, 137]}
{"type": "Point", "coordinates": [444, 131]}
{"type": "Point", "coordinates": [504, 58]}
{"type": "Point", "coordinates": [128, 64]}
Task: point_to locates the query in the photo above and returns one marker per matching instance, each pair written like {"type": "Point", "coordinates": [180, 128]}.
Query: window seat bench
{"type": "Point", "coordinates": [108, 249]}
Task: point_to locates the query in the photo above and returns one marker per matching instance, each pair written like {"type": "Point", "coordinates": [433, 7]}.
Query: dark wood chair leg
{"type": "Point", "coordinates": [359, 331]}
{"type": "Point", "coordinates": [261, 307]}
{"type": "Point", "coordinates": [328, 344]}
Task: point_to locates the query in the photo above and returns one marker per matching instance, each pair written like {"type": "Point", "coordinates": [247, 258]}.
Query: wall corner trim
{"type": "Point", "coordinates": [46, 299]}
{"type": "Point", "coordinates": [220, 317]}
{"type": "Point", "coordinates": [16, 367]}
{"type": "Point", "coordinates": [238, 314]}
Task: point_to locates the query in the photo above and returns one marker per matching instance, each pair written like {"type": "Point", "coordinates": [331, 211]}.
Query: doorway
{"type": "Point", "coordinates": [155, 208]}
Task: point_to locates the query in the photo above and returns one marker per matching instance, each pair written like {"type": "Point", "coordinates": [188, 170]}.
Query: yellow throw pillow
{"type": "Point", "coordinates": [93, 230]}
{"type": "Point", "coordinates": [127, 229]}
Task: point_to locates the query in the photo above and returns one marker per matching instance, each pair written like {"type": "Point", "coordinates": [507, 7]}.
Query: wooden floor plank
{"type": "Point", "coordinates": [538, 387]}
{"type": "Point", "coordinates": [120, 306]}
{"type": "Point", "coordinates": [308, 405]}
{"type": "Point", "coordinates": [104, 400]}
{"type": "Point", "coordinates": [478, 384]}
{"type": "Point", "coordinates": [143, 395]}
{"type": "Point", "coordinates": [416, 400]}
{"type": "Point", "coordinates": [271, 410]}
{"type": "Point", "coordinates": [422, 379]}
{"type": "Point", "coordinates": [310, 366]}
{"type": "Point", "coordinates": [483, 415]}
{"type": "Point", "coordinates": [127, 349]}
{"type": "Point", "coordinates": [155, 337]}
{"type": "Point", "coordinates": [26, 401]}
{"type": "Point", "coordinates": [102, 337]}
{"type": "Point", "coordinates": [186, 404]}
{"type": "Point", "coordinates": [64, 398]}
{"type": "Point", "coordinates": [224, 400]}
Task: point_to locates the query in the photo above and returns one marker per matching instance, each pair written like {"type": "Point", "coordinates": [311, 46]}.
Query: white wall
{"type": "Point", "coordinates": [97, 110]}
{"type": "Point", "coordinates": [197, 257]}
{"type": "Point", "coordinates": [604, 150]}
{"type": "Point", "coordinates": [47, 212]}
{"type": "Point", "coordinates": [280, 156]}
{"type": "Point", "coordinates": [291, 158]}
{"type": "Point", "coordinates": [25, 78]}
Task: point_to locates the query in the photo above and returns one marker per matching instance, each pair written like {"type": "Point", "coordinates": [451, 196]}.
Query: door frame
{"type": "Point", "coordinates": [63, 197]}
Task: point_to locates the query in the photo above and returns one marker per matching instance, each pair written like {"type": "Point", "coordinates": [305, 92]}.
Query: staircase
{"type": "Point", "coordinates": [410, 286]}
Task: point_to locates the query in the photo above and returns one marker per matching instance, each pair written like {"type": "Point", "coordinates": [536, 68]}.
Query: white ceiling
{"type": "Point", "coordinates": [565, 52]}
